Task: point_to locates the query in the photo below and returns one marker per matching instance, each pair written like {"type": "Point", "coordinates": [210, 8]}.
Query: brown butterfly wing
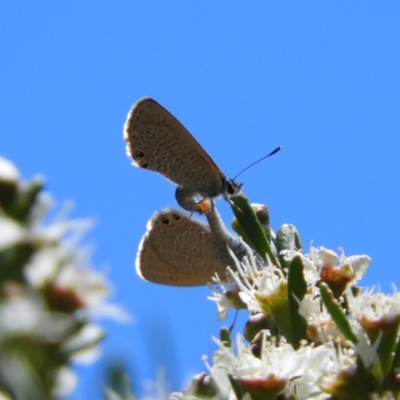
{"type": "Point", "coordinates": [179, 251]}
{"type": "Point", "coordinates": [157, 141]}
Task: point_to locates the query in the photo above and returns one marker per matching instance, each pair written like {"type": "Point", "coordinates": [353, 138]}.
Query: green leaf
{"type": "Point", "coordinates": [250, 224]}
{"type": "Point", "coordinates": [272, 326]}
{"type": "Point", "coordinates": [8, 193]}
{"type": "Point", "coordinates": [337, 313]}
{"type": "Point", "coordinates": [361, 380]}
{"type": "Point", "coordinates": [388, 344]}
{"type": "Point", "coordinates": [391, 379]}
{"type": "Point", "coordinates": [396, 359]}
{"type": "Point", "coordinates": [236, 387]}
{"type": "Point", "coordinates": [263, 217]}
{"type": "Point", "coordinates": [117, 382]}
{"type": "Point", "coordinates": [297, 288]}
{"type": "Point", "coordinates": [25, 200]}
{"type": "Point", "coordinates": [14, 259]}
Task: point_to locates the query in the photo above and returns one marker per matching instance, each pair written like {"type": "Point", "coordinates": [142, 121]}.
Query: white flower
{"type": "Point", "coordinates": [279, 369]}
{"type": "Point", "coordinates": [8, 171]}
{"type": "Point", "coordinates": [219, 290]}
{"type": "Point", "coordinates": [64, 269]}
{"type": "Point", "coordinates": [255, 279]}
{"type": "Point", "coordinates": [320, 326]}
{"type": "Point", "coordinates": [228, 293]}
{"type": "Point", "coordinates": [49, 292]}
{"type": "Point", "coordinates": [374, 307]}
{"type": "Point", "coordinates": [354, 266]}
{"type": "Point", "coordinates": [18, 315]}
{"type": "Point", "coordinates": [66, 381]}
{"type": "Point", "coordinates": [11, 232]}
{"type": "Point", "coordinates": [306, 384]}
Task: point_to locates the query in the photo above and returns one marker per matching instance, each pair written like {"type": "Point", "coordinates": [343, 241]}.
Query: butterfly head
{"type": "Point", "coordinates": [232, 188]}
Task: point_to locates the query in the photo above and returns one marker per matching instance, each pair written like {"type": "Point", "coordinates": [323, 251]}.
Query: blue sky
{"type": "Point", "coordinates": [320, 78]}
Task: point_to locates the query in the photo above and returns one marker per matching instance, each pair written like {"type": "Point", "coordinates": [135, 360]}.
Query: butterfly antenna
{"type": "Point", "coordinates": [255, 162]}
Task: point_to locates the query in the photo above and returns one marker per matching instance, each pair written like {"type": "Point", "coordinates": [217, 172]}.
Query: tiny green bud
{"type": "Point", "coordinates": [254, 325]}
{"type": "Point", "coordinates": [201, 387]}
{"type": "Point", "coordinates": [225, 336]}
{"type": "Point", "coordinates": [285, 236]}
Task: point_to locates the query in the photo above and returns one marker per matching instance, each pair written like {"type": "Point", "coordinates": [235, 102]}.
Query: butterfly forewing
{"type": "Point", "coordinates": [157, 141]}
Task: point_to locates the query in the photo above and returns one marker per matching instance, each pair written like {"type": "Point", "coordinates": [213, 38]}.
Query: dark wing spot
{"type": "Point", "coordinates": [139, 154]}
{"type": "Point", "coordinates": [165, 220]}
{"type": "Point", "coordinates": [176, 217]}
{"type": "Point", "coordinates": [144, 165]}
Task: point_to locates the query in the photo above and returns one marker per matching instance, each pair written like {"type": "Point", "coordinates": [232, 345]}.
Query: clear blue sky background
{"type": "Point", "coordinates": [320, 78]}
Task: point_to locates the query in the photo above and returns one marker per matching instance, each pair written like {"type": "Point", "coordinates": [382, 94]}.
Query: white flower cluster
{"type": "Point", "coordinates": [350, 335]}
{"type": "Point", "coordinates": [49, 293]}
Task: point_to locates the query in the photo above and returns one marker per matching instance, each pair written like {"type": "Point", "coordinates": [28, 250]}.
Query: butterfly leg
{"type": "Point", "coordinates": [219, 229]}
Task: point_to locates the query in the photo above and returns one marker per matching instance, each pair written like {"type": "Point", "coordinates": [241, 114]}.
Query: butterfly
{"type": "Point", "coordinates": [157, 141]}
